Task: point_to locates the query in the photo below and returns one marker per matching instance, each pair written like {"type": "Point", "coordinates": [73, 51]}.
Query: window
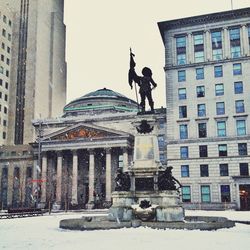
{"type": "Point", "coordinates": [182, 94]}
{"type": "Point", "coordinates": [219, 89]}
{"type": "Point", "coordinates": [2, 58]}
{"type": "Point", "coordinates": [225, 193]}
{"type": "Point", "coordinates": [239, 106]}
{"type": "Point", "coordinates": [184, 171]}
{"type": "Point", "coordinates": [4, 32]}
{"type": "Point", "coordinates": [161, 142]}
{"type": "Point", "coordinates": [244, 169]}
{"type": "Point", "coordinates": [220, 108]}
{"type": "Point", "coordinates": [6, 98]}
{"type": "Point", "coordinates": [221, 128]}
{"type": "Point", "coordinates": [181, 50]}
{"type": "Point", "coordinates": [242, 148]}
{"type": "Point", "coordinates": [4, 18]}
{"type": "Point", "coordinates": [9, 37]}
{"type": "Point", "coordinates": [199, 73]}
{"type": "Point", "coordinates": [7, 61]}
{"type": "Point", "coordinates": [224, 169]}
{"type": "Point", "coordinates": [4, 135]}
{"type": "Point", "coordinates": [186, 193]}
{"type": "Point", "coordinates": [6, 85]}
{"type": "Point", "coordinates": [182, 111]}
{"type": "Point", "coordinates": [3, 46]}
{"type": "Point", "coordinates": [7, 73]}
{"type": "Point", "coordinates": [203, 150]}
{"type": "Point", "coordinates": [1, 82]}
{"type": "Point", "coordinates": [198, 48]}
{"type": "Point", "coordinates": [10, 23]}
{"type": "Point", "coordinates": [200, 91]}
{"type": "Point", "coordinates": [201, 110]}
{"type": "Point", "coordinates": [181, 75]}
{"type": "Point", "coordinates": [241, 127]}
{"type": "Point", "coordinates": [204, 170]}
{"type": "Point", "coordinates": [183, 131]}
{"type": "Point", "coordinates": [237, 70]}
{"type": "Point", "coordinates": [4, 123]}
{"type": "Point", "coordinates": [238, 87]}
{"type": "Point", "coordinates": [5, 110]}
{"type": "Point", "coordinates": [235, 42]}
{"type": "Point", "coordinates": [202, 127]}
{"type": "Point", "coordinates": [1, 69]}
{"type": "Point", "coordinates": [184, 152]}
{"type": "Point", "coordinates": [216, 45]}
{"type": "Point", "coordinates": [218, 71]}
{"type": "Point", "coordinates": [205, 193]}
{"type": "Point", "coordinates": [222, 148]}
{"type": "Point", "coordinates": [8, 49]}
{"type": "Point", "coordinates": [162, 158]}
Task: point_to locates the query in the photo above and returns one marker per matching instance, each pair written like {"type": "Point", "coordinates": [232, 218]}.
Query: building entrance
{"type": "Point", "coordinates": [244, 197]}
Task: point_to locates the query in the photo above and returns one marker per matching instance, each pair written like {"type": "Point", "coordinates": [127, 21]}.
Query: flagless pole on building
{"type": "Point", "coordinates": [232, 5]}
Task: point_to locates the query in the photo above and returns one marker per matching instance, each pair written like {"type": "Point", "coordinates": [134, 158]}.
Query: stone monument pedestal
{"type": "Point", "coordinates": [166, 205]}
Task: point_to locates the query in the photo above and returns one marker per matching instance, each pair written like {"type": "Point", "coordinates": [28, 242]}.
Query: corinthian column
{"type": "Point", "coordinates": [91, 175]}
{"type": "Point", "coordinates": [108, 175]}
{"type": "Point", "coordinates": [59, 178]}
{"type": "Point", "coordinates": [44, 177]}
{"type": "Point", "coordinates": [74, 178]}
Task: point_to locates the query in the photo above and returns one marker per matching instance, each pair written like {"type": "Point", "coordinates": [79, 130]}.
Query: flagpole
{"type": "Point", "coordinates": [138, 107]}
{"type": "Point", "coordinates": [232, 4]}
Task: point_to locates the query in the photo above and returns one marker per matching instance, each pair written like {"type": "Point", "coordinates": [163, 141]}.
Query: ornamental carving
{"type": "Point", "coordinates": [81, 133]}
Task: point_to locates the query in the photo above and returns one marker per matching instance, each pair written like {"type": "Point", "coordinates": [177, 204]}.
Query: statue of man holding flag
{"type": "Point", "coordinates": [144, 83]}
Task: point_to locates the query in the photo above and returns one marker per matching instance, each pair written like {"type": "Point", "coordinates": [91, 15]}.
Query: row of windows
{"type": "Point", "coordinates": [222, 150]}
{"type": "Point", "coordinates": [223, 170]}
{"type": "Point", "coordinates": [225, 193]}
{"type": "Point", "coordinates": [5, 34]}
{"type": "Point", "coordinates": [3, 47]}
{"type": "Point", "coordinates": [7, 73]}
{"type": "Point", "coordinates": [5, 20]}
{"type": "Point", "coordinates": [219, 90]}
{"type": "Point", "coordinates": [220, 109]}
{"type": "Point", "coordinates": [221, 129]}
{"type": "Point", "coordinates": [216, 43]}
{"type": "Point", "coordinates": [5, 96]}
{"type": "Point", "coordinates": [6, 84]}
{"type": "Point", "coordinates": [218, 72]}
{"type": "Point", "coordinates": [7, 59]}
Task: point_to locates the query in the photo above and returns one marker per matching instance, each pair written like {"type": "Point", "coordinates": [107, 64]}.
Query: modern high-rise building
{"type": "Point", "coordinates": [6, 25]}
{"type": "Point", "coordinates": [208, 107]}
{"type": "Point", "coordinates": [37, 85]}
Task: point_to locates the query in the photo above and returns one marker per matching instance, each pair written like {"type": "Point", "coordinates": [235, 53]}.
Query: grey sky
{"type": "Point", "coordinates": [100, 32]}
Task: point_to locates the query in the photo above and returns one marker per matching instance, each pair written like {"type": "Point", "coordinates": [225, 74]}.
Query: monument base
{"type": "Point", "coordinates": [165, 206]}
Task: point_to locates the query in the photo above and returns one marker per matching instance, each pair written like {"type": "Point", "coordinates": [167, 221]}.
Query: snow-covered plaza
{"type": "Point", "coordinates": [44, 233]}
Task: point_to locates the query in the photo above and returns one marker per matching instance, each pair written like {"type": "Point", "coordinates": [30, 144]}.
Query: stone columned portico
{"type": "Point", "coordinates": [85, 158]}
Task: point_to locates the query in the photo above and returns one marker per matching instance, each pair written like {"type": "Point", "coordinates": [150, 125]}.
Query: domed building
{"type": "Point", "coordinates": [99, 102]}
{"type": "Point", "coordinates": [81, 151]}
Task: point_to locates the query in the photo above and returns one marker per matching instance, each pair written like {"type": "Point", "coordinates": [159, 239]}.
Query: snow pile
{"type": "Point", "coordinates": [43, 233]}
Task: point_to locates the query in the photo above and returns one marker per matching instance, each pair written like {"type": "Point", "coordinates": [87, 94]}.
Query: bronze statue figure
{"type": "Point", "coordinates": [166, 180]}
{"type": "Point", "coordinates": [144, 83]}
{"type": "Point", "coordinates": [122, 181]}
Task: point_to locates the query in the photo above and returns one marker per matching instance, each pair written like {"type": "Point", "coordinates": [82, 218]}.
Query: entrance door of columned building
{"type": "Point", "coordinates": [79, 163]}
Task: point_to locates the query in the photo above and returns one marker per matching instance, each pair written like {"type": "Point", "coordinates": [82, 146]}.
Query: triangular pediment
{"type": "Point", "coordinates": [83, 131]}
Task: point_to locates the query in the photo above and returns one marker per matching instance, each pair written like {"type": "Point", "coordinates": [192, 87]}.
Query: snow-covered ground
{"type": "Point", "coordinates": [44, 233]}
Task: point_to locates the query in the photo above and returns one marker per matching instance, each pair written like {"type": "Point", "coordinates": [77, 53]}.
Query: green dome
{"type": "Point", "coordinates": [101, 100]}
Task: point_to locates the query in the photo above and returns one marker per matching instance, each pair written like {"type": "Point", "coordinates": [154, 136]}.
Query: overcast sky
{"type": "Point", "coordinates": [100, 33]}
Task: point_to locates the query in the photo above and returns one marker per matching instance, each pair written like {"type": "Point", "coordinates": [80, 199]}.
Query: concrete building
{"type": "Point", "coordinates": [208, 107]}
{"type": "Point", "coordinates": [37, 85]}
{"type": "Point", "coordinates": [80, 153]}
{"type": "Point", "coordinates": [6, 26]}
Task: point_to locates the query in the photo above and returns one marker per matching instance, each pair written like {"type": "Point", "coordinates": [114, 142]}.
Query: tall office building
{"type": "Point", "coordinates": [37, 86]}
{"type": "Point", "coordinates": [208, 107]}
{"type": "Point", "coordinates": [6, 24]}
